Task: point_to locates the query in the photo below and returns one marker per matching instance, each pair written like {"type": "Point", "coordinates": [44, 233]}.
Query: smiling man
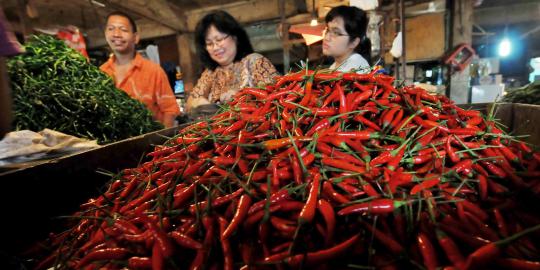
{"type": "Point", "coordinates": [139, 78]}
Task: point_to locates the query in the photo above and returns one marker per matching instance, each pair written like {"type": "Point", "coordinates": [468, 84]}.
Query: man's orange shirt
{"type": "Point", "coordinates": [148, 83]}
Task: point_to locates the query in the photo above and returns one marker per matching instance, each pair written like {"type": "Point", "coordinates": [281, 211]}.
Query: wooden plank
{"type": "Point", "coordinates": [324, 6]}
{"type": "Point", "coordinates": [424, 37]}
{"type": "Point", "coordinates": [526, 121]}
{"type": "Point", "coordinates": [245, 12]}
{"type": "Point", "coordinates": [158, 11]}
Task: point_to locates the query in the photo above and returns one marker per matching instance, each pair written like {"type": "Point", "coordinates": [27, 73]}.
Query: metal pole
{"type": "Point", "coordinates": [396, 23]}
{"type": "Point", "coordinates": [403, 38]}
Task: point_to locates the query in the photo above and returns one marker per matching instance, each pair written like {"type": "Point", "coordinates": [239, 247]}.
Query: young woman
{"type": "Point", "coordinates": [225, 50]}
{"type": "Point", "coordinates": [345, 38]}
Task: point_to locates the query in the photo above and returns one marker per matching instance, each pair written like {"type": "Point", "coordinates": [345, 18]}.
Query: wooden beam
{"type": "Point", "coordinates": [244, 12]}
{"type": "Point", "coordinates": [158, 11]}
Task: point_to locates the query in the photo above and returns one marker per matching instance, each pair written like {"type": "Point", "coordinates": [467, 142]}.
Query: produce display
{"type": "Point", "coordinates": [55, 87]}
{"type": "Point", "coordinates": [319, 171]}
{"type": "Point", "coordinates": [528, 94]}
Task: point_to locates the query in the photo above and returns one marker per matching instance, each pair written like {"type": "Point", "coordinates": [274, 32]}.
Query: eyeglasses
{"type": "Point", "coordinates": [217, 42]}
{"type": "Point", "coordinates": [333, 33]}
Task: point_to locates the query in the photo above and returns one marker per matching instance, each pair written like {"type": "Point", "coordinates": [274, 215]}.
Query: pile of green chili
{"type": "Point", "coordinates": [55, 87]}
{"type": "Point", "coordinates": [528, 94]}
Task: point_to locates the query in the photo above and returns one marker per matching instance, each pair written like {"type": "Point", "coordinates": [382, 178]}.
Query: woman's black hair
{"type": "Point", "coordinates": [356, 22]}
{"type": "Point", "coordinates": [226, 24]}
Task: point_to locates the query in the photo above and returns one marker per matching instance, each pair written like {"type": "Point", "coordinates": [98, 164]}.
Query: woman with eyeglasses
{"type": "Point", "coordinates": [345, 39]}
{"type": "Point", "coordinates": [224, 48]}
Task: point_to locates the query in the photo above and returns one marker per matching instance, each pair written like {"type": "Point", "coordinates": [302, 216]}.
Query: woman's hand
{"type": "Point", "coordinates": [193, 103]}
{"type": "Point", "coordinates": [227, 96]}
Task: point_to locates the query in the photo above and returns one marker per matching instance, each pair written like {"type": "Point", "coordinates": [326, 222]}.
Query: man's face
{"type": "Point", "coordinates": [120, 35]}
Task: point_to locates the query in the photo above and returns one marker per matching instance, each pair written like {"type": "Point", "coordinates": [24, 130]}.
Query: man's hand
{"type": "Point", "coordinates": [169, 120]}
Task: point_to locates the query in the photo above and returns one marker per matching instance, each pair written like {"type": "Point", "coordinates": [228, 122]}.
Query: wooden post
{"type": "Point", "coordinates": [285, 37]}
{"type": "Point", "coordinates": [187, 61]}
{"type": "Point", "coordinates": [461, 33]}
{"type": "Point", "coordinates": [397, 27]}
{"type": "Point", "coordinates": [21, 12]}
{"type": "Point", "coordinates": [403, 38]}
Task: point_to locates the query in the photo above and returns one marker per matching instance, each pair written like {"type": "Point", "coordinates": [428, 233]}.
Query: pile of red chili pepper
{"type": "Point", "coordinates": [320, 171]}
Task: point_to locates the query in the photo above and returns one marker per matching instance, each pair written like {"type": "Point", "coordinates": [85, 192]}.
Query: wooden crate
{"type": "Point", "coordinates": [33, 197]}
{"type": "Point", "coordinates": [520, 119]}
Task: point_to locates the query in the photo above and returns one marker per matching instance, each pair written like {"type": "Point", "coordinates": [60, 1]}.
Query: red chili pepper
{"type": "Point", "coordinates": [493, 168]}
{"type": "Point", "coordinates": [126, 227]}
{"type": "Point", "coordinates": [450, 249]}
{"type": "Point", "coordinates": [276, 197]}
{"type": "Point", "coordinates": [317, 257]}
{"type": "Point", "coordinates": [501, 224]}
{"type": "Point", "coordinates": [366, 122]}
{"type": "Point", "coordinates": [259, 93]}
{"type": "Point", "coordinates": [389, 116]}
{"type": "Point", "coordinates": [467, 113]}
{"type": "Point", "coordinates": [397, 119]}
{"type": "Point", "coordinates": [278, 143]}
{"type": "Point", "coordinates": [340, 164]}
{"type": "Point", "coordinates": [473, 241]}
{"type": "Point", "coordinates": [475, 209]}
{"type": "Point", "coordinates": [145, 197]}
{"type": "Point", "coordinates": [162, 241]}
{"type": "Point", "coordinates": [322, 124]}
{"type": "Point", "coordinates": [352, 76]}
{"type": "Point", "coordinates": [465, 131]}
{"type": "Point", "coordinates": [138, 238]}
{"type": "Point", "coordinates": [464, 166]}
{"type": "Point", "coordinates": [329, 190]}
{"type": "Point", "coordinates": [103, 254]}
{"type": "Point", "coordinates": [361, 97]}
{"type": "Point", "coordinates": [342, 100]}
{"type": "Point", "coordinates": [428, 251]}
{"type": "Point", "coordinates": [325, 111]}
{"type": "Point", "coordinates": [308, 212]}
{"type": "Point", "coordinates": [427, 184]}
{"type": "Point", "coordinates": [139, 263]}
{"type": "Point", "coordinates": [395, 160]}
{"type": "Point", "coordinates": [283, 225]}
{"type": "Point", "coordinates": [157, 257]}
{"type": "Point", "coordinates": [358, 135]}
{"type": "Point", "coordinates": [381, 159]}
{"type": "Point", "coordinates": [327, 211]}
{"type": "Point", "coordinates": [185, 241]}
{"type": "Point", "coordinates": [327, 150]}
{"type": "Point", "coordinates": [183, 196]}
{"type": "Point", "coordinates": [202, 254]}
{"type": "Point", "coordinates": [450, 151]}
{"type": "Point", "coordinates": [512, 263]}
{"type": "Point", "coordinates": [482, 186]}
{"type": "Point", "coordinates": [228, 260]}
{"type": "Point", "coordinates": [375, 207]}
{"type": "Point", "coordinates": [389, 242]}
{"type": "Point", "coordinates": [188, 140]}
{"type": "Point", "coordinates": [240, 215]}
